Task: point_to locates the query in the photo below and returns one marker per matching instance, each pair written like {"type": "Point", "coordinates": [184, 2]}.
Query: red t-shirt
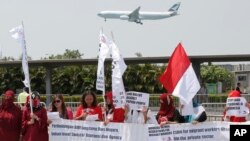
{"type": "Point", "coordinates": [90, 111]}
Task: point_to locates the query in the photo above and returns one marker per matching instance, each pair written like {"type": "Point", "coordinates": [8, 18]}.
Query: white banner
{"type": "Point", "coordinates": [74, 130]}
{"type": "Point", "coordinates": [118, 68]}
{"type": "Point", "coordinates": [103, 53]}
{"type": "Point", "coordinates": [237, 107]}
{"type": "Point", "coordinates": [118, 92]}
{"type": "Point", "coordinates": [207, 131]}
{"type": "Point", "coordinates": [136, 100]}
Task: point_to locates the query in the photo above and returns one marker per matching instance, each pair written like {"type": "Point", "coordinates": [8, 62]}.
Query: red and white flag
{"type": "Point", "coordinates": [179, 77]}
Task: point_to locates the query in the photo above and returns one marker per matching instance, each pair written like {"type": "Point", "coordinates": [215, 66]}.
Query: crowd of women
{"type": "Point", "coordinates": [31, 124]}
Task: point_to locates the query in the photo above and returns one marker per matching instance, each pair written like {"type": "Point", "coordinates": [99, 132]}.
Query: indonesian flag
{"type": "Point", "coordinates": [179, 77]}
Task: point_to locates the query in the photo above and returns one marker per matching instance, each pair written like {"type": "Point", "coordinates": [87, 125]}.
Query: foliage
{"type": "Point", "coordinates": [68, 54]}
{"type": "Point", "coordinates": [76, 79]}
{"type": "Point", "coordinates": [214, 74]}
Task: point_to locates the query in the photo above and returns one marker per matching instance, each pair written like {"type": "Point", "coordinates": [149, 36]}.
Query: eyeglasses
{"type": "Point", "coordinates": [58, 101]}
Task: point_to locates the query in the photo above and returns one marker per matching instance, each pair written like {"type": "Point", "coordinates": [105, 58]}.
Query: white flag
{"type": "Point", "coordinates": [103, 53]}
{"type": "Point", "coordinates": [118, 68]}
{"type": "Point", "coordinates": [118, 64]}
{"type": "Point", "coordinates": [18, 34]}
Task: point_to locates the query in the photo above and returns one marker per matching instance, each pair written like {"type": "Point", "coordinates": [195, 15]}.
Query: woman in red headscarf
{"type": "Point", "coordinates": [113, 114]}
{"type": "Point", "coordinates": [168, 112]}
{"type": "Point", "coordinates": [34, 125]}
{"type": "Point", "coordinates": [10, 118]}
{"type": "Point", "coordinates": [235, 118]}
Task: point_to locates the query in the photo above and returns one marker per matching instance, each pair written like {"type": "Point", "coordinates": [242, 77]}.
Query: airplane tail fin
{"type": "Point", "coordinates": [175, 7]}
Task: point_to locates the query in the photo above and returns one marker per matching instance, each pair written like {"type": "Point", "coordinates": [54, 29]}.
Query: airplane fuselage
{"type": "Point", "coordinates": [142, 15]}
{"type": "Point", "coordinates": [137, 16]}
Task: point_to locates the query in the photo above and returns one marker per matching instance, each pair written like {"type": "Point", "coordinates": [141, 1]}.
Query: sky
{"type": "Point", "coordinates": [205, 27]}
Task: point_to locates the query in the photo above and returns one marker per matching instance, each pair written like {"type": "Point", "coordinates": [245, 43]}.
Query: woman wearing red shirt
{"type": "Point", "coordinates": [113, 114]}
{"type": "Point", "coordinates": [88, 110]}
{"type": "Point", "coordinates": [234, 93]}
{"type": "Point", "coordinates": [168, 113]}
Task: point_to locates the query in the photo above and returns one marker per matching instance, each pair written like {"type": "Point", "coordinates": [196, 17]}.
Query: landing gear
{"type": "Point", "coordinates": [105, 19]}
{"type": "Point", "coordinates": [139, 22]}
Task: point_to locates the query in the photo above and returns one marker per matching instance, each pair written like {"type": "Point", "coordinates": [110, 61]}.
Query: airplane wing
{"type": "Point", "coordinates": [134, 16]}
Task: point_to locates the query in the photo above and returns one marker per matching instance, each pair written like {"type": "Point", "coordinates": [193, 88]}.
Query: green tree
{"type": "Point", "coordinates": [213, 74]}
{"type": "Point", "coordinates": [68, 54]}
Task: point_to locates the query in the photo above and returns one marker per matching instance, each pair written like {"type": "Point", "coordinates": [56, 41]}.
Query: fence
{"type": "Point", "coordinates": [72, 105]}
{"type": "Point", "coordinates": [214, 103]}
{"type": "Point", "coordinates": [21, 104]}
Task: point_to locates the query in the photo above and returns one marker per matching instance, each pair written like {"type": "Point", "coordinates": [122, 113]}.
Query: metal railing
{"type": "Point", "coordinates": [72, 105]}
{"type": "Point", "coordinates": [21, 104]}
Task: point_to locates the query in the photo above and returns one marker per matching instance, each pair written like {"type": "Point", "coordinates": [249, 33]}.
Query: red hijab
{"type": "Point", "coordinates": [8, 99]}
{"type": "Point", "coordinates": [234, 93]}
{"type": "Point", "coordinates": [167, 105]}
{"type": "Point", "coordinates": [109, 96]}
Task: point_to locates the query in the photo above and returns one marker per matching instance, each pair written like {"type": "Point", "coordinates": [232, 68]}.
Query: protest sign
{"type": "Point", "coordinates": [136, 100]}
{"type": "Point", "coordinates": [236, 106]}
{"type": "Point", "coordinates": [53, 115]}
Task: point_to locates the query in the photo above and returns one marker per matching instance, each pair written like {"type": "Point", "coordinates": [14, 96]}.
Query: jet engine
{"type": "Point", "coordinates": [124, 17]}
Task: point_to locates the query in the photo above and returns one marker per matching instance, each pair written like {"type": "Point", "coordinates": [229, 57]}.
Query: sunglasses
{"type": "Point", "coordinates": [58, 101]}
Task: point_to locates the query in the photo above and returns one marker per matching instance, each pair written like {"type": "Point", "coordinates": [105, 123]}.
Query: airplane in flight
{"type": "Point", "coordinates": [137, 16]}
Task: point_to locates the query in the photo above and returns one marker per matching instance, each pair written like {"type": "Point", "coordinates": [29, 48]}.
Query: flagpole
{"type": "Point", "coordinates": [104, 101]}
{"type": "Point", "coordinates": [31, 109]}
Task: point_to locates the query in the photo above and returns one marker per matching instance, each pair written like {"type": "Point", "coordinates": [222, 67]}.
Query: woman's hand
{"type": "Point", "coordinates": [31, 121]}
{"type": "Point", "coordinates": [34, 116]}
{"type": "Point", "coordinates": [163, 123]}
{"type": "Point", "coordinates": [106, 122]}
{"type": "Point", "coordinates": [126, 109]}
{"type": "Point", "coordinates": [49, 121]}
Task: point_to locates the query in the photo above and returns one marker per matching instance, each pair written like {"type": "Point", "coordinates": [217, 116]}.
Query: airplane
{"type": "Point", "coordinates": [137, 16]}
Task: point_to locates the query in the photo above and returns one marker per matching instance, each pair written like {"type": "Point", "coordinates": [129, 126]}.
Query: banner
{"type": "Point", "coordinates": [103, 53]}
{"type": "Point", "coordinates": [207, 131]}
{"type": "Point", "coordinates": [118, 68]}
{"type": "Point", "coordinates": [72, 130]}
{"type": "Point", "coordinates": [75, 130]}
{"type": "Point", "coordinates": [237, 106]}
{"type": "Point", "coordinates": [136, 100]}
{"type": "Point", "coordinates": [118, 92]}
